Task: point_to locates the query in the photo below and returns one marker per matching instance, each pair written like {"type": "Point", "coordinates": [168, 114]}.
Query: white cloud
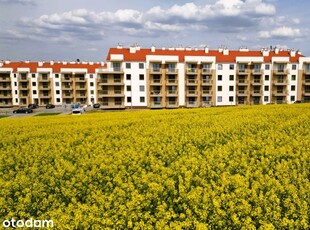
{"type": "Point", "coordinates": [22, 2]}
{"type": "Point", "coordinates": [282, 32]}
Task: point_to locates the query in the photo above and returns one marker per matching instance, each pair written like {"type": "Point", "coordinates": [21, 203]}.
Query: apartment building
{"type": "Point", "coordinates": [138, 77]}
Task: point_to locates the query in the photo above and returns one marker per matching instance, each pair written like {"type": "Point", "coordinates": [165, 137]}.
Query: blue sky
{"type": "Point", "coordinates": [86, 29]}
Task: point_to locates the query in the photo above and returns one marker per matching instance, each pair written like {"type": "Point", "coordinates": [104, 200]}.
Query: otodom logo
{"type": "Point", "coordinates": [28, 223]}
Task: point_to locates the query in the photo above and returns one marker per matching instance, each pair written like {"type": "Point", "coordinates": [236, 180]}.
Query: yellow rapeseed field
{"type": "Point", "coordinates": [215, 168]}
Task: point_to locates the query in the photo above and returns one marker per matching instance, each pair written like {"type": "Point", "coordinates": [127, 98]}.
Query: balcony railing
{"type": "Point", "coordinates": [280, 82]}
{"type": "Point", "coordinates": [155, 70]}
{"type": "Point", "coordinates": [172, 81]}
{"type": "Point", "coordinates": [192, 82]}
{"type": "Point", "coordinates": [242, 92]}
{"type": "Point", "coordinates": [156, 104]}
{"type": "Point", "coordinates": [192, 92]}
{"type": "Point", "coordinates": [171, 70]}
{"type": "Point", "coordinates": [243, 81]}
{"type": "Point", "coordinates": [207, 92]}
{"type": "Point", "coordinates": [191, 70]}
{"type": "Point", "coordinates": [206, 71]}
{"type": "Point", "coordinates": [256, 82]}
{"type": "Point", "coordinates": [156, 81]}
{"type": "Point", "coordinates": [242, 71]}
{"type": "Point", "coordinates": [192, 104]}
{"type": "Point", "coordinates": [306, 81]}
{"type": "Point", "coordinates": [257, 71]}
{"type": "Point", "coordinates": [207, 81]}
{"type": "Point", "coordinates": [281, 71]}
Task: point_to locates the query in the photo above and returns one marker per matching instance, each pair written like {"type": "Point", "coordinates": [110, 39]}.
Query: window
{"type": "Point", "coordinates": [33, 75]}
{"type": "Point", "coordinates": [128, 76]}
{"type": "Point", "coordinates": [231, 77]}
{"type": "Point", "coordinates": [267, 67]}
{"type": "Point", "coordinates": [266, 77]}
{"type": "Point", "coordinates": [14, 75]}
{"type": "Point", "coordinates": [266, 98]}
{"type": "Point", "coordinates": [231, 99]}
{"type": "Point", "coordinates": [231, 66]}
{"type": "Point", "coordinates": [294, 67]}
{"type": "Point", "coordinates": [293, 77]}
{"type": "Point", "coordinates": [142, 99]}
{"type": "Point", "coordinates": [91, 83]}
{"type": "Point", "coordinates": [141, 88]}
{"type": "Point", "coordinates": [231, 88]}
{"type": "Point", "coordinates": [128, 99]}
{"type": "Point", "coordinates": [56, 83]}
{"type": "Point", "coordinates": [292, 98]}
{"type": "Point", "coordinates": [141, 65]}
{"type": "Point", "coordinates": [293, 87]}
{"type": "Point", "coordinates": [57, 99]}
{"type": "Point", "coordinates": [92, 92]}
{"type": "Point", "coordinates": [34, 92]}
{"type": "Point", "coordinates": [141, 76]}
{"type": "Point", "coordinates": [57, 91]}
{"type": "Point", "coordinates": [128, 88]}
{"type": "Point", "coordinates": [16, 100]}
{"type": "Point", "coordinates": [15, 91]}
{"type": "Point", "coordinates": [219, 99]}
{"type": "Point", "coordinates": [266, 87]}
{"type": "Point", "coordinates": [219, 77]}
{"type": "Point", "coordinates": [220, 66]}
{"type": "Point", "coordinates": [91, 76]}
{"type": "Point", "coordinates": [128, 65]}
{"type": "Point", "coordinates": [15, 83]}
{"type": "Point", "coordinates": [34, 83]}
{"type": "Point", "coordinates": [56, 75]}
{"type": "Point", "coordinates": [219, 88]}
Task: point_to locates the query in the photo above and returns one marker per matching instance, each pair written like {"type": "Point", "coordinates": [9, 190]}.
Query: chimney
{"type": "Point", "coordinates": [119, 46]}
{"type": "Point", "coordinates": [52, 62]}
{"type": "Point", "coordinates": [226, 51]}
{"type": "Point", "coordinates": [64, 63]}
{"type": "Point", "coordinates": [7, 62]}
{"type": "Point", "coordinates": [292, 53]}
{"type": "Point", "coordinates": [1, 64]}
{"type": "Point", "coordinates": [40, 63]}
{"type": "Point", "coordinates": [265, 52]}
{"type": "Point", "coordinates": [206, 50]}
{"type": "Point", "coordinates": [138, 47]}
{"type": "Point", "coordinates": [132, 49]}
{"type": "Point", "coordinates": [220, 49]}
{"type": "Point", "coordinates": [153, 48]}
{"type": "Point", "coordinates": [276, 50]}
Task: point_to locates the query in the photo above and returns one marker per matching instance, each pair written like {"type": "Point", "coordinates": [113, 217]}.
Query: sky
{"type": "Point", "coordinates": [67, 30]}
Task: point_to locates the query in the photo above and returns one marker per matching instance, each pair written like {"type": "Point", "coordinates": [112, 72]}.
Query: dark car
{"type": "Point", "coordinates": [23, 110]}
{"type": "Point", "coordinates": [297, 102]}
{"type": "Point", "coordinates": [50, 106]}
{"type": "Point", "coordinates": [33, 106]}
{"type": "Point", "coordinates": [97, 105]}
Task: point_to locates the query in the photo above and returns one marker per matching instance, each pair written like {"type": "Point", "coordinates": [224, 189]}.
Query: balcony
{"type": "Point", "coordinates": [5, 79]}
{"type": "Point", "coordinates": [81, 88]}
{"type": "Point", "coordinates": [80, 79]}
{"type": "Point", "coordinates": [118, 70]}
{"type": "Point", "coordinates": [172, 104]}
{"type": "Point", "coordinates": [67, 79]}
{"type": "Point", "coordinates": [257, 72]}
{"type": "Point", "coordinates": [23, 96]}
{"type": "Point", "coordinates": [191, 71]}
{"type": "Point", "coordinates": [107, 93]}
{"type": "Point", "coordinates": [6, 96]}
{"type": "Point", "coordinates": [256, 93]}
{"type": "Point", "coordinates": [192, 104]}
{"type": "Point", "coordinates": [191, 82]}
{"type": "Point", "coordinates": [66, 87]}
{"type": "Point", "coordinates": [172, 93]}
{"type": "Point", "coordinates": [207, 82]}
{"type": "Point", "coordinates": [281, 71]}
{"type": "Point", "coordinates": [83, 96]}
{"type": "Point", "coordinates": [279, 93]}
{"type": "Point", "coordinates": [7, 87]}
{"type": "Point", "coordinates": [43, 79]}
{"type": "Point", "coordinates": [23, 87]}
{"type": "Point", "coordinates": [172, 82]}
{"type": "Point", "coordinates": [156, 93]}
{"type": "Point", "coordinates": [242, 92]}
{"type": "Point", "coordinates": [155, 82]}
{"type": "Point", "coordinates": [306, 82]}
{"type": "Point", "coordinates": [67, 96]}
{"type": "Point", "coordinates": [156, 105]}
{"type": "Point", "coordinates": [242, 102]}
{"type": "Point", "coordinates": [243, 71]}
{"type": "Point", "coordinates": [205, 71]}
{"type": "Point", "coordinates": [44, 87]}
{"type": "Point", "coordinates": [45, 96]}
{"type": "Point", "coordinates": [242, 82]}
{"type": "Point", "coordinates": [306, 93]}
{"type": "Point", "coordinates": [191, 93]}
{"type": "Point", "coordinates": [110, 82]}
{"type": "Point", "coordinates": [207, 93]}
{"type": "Point", "coordinates": [23, 79]}
{"type": "Point", "coordinates": [171, 71]}
{"type": "Point", "coordinates": [307, 71]}
{"type": "Point", "coordinates": [280, 82]}
{"type": "Point", "coordinates": [256, 82]}
{"type": "Point", "coordinates": [155, 71]}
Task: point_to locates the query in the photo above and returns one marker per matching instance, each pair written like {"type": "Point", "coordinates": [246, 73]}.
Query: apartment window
{"type": "Point", "coordinates": [266, 87]}
{"type": "Point", "coordinates": [292, 98]}
{"type": "Point", "coordinates": [266, 77]}
{"type": "Point", "coordinates": [231, 99]}
{"type": "Point", "coordinates": [91, 76]}
{"type": "Point", "coordinates": [91, 84]}
{"type": "Point", "coordinates": [128, 65]}
{"type": "Point", "coordinates": [56, 83]}
{"type": "Point", "coordinates": [231, 66]}
{"type": "Point", "coordinates": [220, 66]}
{"type": "Point", "coordinates": [293, 87]}
{"type": "Point", "coordinates": [15, 83]}
{"type": "Point", "coordinates": [128, 76]}
{"type": "Point", "coordinates": [266, 98]}
{"type": "Point", "coordinates": [231, 88]}
{"type": "Point", "coordinates": [141, 88]}
{"type": "Point", "coordinates": [141, 65]}
{"type": "Point", "coordinates": [34, 83]}
{"type": "Point", "coordinates": [16, 100]}
{"type": "Point", "coordinates": [128, 99]}
{"type": "Point", "coordinates": [33, 75]}
{"type": "Point", "coordinates": [92, 92]}
{"type": "Point", "coordinates": [34, 92]}
{"type": "Point", "coordinates": [56, 75]}
{"type": "Point", "coordinates": [293, 77]}
{"type": "Point", "coordinates": [219, 77]}
{"type": "Point", "coordinates": [14, 75]}
{"type": "Point", "coordinates": [142, 99]}
{"type": "Point", "coordinates": [15, 91]}
{"type": "Point", "coordinates": [231, 77]}
{"type": "Point", "coordinates": [141, 76]}
{"type": "Point", "coordinates": [128, 88]}
{"type": "Point", "coordinates": [294, 67]}
{"type": "Point", "coordinates": [219, 88]}
{"type": "Point", "coordinates": [267, 67]}
{"type": "Point", "coordinates": [57, 99]}
{"type": "Point", "coordinates": [219, 99]}
{"type": "Point", "coordinates": [57, 91]}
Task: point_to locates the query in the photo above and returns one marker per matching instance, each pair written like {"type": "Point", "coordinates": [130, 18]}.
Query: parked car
{"type": "Point", "coordinates": [77, 111]}
{"type": "Point", "coordinates": [50, 106]}
{"type": "Point", "coordinates": [298, 102]}
{"type": "Point", "coordinates": [97, 105]}
{"type": "Point", "coordinates": [33, 106]}
{"type": "Point", "coordinates": [23, 110]}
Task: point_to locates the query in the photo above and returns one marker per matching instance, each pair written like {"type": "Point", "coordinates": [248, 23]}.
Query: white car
{"type": "Point", "coordinates": [77, 111]}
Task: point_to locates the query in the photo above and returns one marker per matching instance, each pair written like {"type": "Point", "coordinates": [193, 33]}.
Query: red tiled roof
{"type": "Point", "coordinates": [33, 66]}
{"type": "Point", "coordinates": [140, 55]}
